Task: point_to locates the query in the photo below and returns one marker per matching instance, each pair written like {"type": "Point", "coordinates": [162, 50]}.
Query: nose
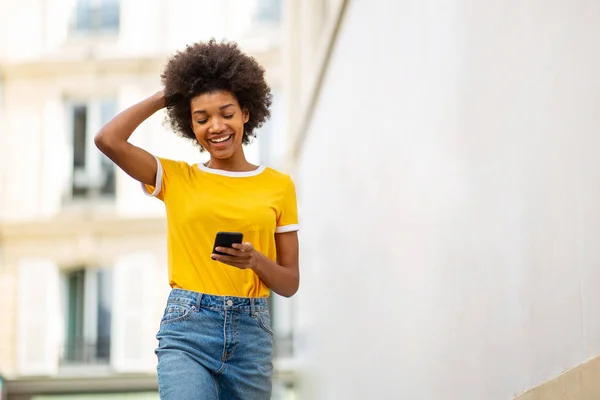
{"type": "Point", "coordinates": [216, 125]}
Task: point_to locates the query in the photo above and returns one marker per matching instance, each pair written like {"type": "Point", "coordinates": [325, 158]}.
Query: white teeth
{"type": "Point", "coordinates": [220, 139]}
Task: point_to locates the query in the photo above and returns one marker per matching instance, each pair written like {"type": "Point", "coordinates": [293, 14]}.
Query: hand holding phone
{"type": "Point", "coordinates": [226, 239]}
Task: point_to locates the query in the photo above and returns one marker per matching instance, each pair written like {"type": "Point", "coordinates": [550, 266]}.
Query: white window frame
{"type": "Point", "coordinates": [91, 175]}
{"type": "Point", "coordinates": [90, 314]}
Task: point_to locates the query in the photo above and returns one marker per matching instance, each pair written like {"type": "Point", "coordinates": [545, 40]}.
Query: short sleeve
{"type": "Point", "coordinates": [287, 220]}
{"type": "Point", "coordinates": [166, 172]}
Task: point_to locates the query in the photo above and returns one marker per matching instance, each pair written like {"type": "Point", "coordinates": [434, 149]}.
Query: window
{"type": "Point", "coordinates": [268, 11]}
{"type": "Point", "coordinates": [96, 16]}
{"type": "Point", "coordinates": [88, 310]}
{"type": "Point", "coordinates": [93, 175]}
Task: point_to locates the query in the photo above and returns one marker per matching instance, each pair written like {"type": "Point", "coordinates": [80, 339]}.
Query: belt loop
{"type": "Point", "coordinates": [252, 308]}
{"type": "Point", "coordinates": [199, 301]}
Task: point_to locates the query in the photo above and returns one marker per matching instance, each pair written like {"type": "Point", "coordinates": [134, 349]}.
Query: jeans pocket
{"type": "Point", "coordinates": [264, 320]}
{"type": "Point", "coordinates": [176, 312]}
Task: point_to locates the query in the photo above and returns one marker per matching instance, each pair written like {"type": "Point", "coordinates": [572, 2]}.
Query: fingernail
{"type": "Point", "coordinates": [213, 257]}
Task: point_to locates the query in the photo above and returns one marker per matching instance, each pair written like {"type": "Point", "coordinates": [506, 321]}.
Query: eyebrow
{"type": "Point", "coordinates": [220, 108]}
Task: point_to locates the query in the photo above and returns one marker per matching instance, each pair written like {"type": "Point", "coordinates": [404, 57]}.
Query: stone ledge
{"type": "Point", "coordinates": [581, 382]}
{"type": "Point", "coordinates": [63, 385]}
{"type": "Point", "coordinates": [78, 226]}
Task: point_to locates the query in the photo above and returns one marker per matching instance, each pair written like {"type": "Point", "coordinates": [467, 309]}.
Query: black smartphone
{"type": "Point", "coordinates": [226, 239]}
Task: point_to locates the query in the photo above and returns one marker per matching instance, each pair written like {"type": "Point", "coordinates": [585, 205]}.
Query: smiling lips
{"type": "Point", "coordinates": [221, 141]}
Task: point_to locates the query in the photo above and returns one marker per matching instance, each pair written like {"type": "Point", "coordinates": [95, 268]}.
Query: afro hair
{"type": "Point", "coordinates": [207, 67]}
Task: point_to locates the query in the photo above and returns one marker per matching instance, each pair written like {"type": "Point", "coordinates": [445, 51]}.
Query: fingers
{"type": "Point", "coordinates": [231, 255]}
{"type": "Point", "coordinates": [239, 256]}
{"type": "Point", "coordinates": [230, 251]}
{"type": "Point", "coordinates": [238, 249]}
{"type": "Point", "coordinates": [246, 246]}
{"type": "Point", "coordinates": [237, 262]}
{"type": "Point", "coordinates": [231, 258]}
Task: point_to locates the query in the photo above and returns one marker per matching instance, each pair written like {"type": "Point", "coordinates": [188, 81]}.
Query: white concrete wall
{"type": "Point", "coordinates": [450, 201]}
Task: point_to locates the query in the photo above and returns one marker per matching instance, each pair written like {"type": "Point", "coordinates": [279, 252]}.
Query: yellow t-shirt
{"type": "Point", "coordinates": [200, 202]}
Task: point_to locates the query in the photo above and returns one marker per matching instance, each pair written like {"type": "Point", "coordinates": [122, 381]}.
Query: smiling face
{"type": "Point", "coordinates": [218, 123]}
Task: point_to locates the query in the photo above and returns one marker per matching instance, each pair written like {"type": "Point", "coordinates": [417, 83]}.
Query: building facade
{"type": "Point", "coordinates": [83, 275]}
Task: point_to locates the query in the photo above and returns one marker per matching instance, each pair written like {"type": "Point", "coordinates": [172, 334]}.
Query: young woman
{"type": "Point", "coordinates": [215, 339]}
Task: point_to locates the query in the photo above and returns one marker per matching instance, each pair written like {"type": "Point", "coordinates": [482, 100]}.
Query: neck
{"type": "Point", "coordinates": [237, 163]}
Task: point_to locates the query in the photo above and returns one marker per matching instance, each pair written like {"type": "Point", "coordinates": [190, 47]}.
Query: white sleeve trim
{"type": "Point", "coordinates": [158, 183]}
{"type": "Point", "coordinates": [287, 228]}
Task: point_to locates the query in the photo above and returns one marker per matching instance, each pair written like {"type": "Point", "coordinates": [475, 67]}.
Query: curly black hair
{"type": "Point", "coordinates": [206, 67]}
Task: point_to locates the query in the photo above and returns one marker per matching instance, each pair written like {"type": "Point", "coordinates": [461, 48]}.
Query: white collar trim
{"type": "Point", "coordinates": [232, 174]}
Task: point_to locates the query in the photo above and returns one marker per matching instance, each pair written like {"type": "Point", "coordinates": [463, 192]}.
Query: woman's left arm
{"type": "Point", "coordinates": [283, 276]}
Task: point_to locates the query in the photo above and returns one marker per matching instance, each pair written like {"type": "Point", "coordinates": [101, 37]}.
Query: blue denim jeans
{"type": "Point", "coordinates": [214, 347]}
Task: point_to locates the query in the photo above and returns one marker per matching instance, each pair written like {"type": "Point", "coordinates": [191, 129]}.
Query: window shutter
{"type": "Point", "coordinates": [134, 324]}
{"type": "Point", "coordinates": [39, 317]}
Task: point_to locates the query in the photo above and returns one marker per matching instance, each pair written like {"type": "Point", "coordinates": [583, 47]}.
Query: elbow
{"type": "Point", "coordinates": [100, 141]}
{"type": "Point", "coordinates": [289, 294]}
{"type": "Point", "coordinates": [292, 289]}
{"type": "Point", "coordinates": [103, 142]}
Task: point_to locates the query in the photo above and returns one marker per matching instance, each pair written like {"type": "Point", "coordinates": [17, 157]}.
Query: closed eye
{"type": "Point", "coordinates": [202, 122]}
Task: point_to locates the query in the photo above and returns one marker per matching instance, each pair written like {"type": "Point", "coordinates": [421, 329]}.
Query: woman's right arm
{"type": "Point", "coordinates": [112, 140]}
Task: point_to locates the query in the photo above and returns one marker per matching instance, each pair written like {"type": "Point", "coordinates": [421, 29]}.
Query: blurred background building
{"type": "Point", "coordinates": [446, 160]}
{"type": "Point", "coordinates": [82, 251]}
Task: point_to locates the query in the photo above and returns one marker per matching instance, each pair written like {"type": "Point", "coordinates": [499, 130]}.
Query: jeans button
{"type": "Point", "coordinates": [229, 303]}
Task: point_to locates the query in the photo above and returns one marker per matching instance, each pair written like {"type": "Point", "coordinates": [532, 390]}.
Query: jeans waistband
{"type": "Point", "coordinates": [197, 299]}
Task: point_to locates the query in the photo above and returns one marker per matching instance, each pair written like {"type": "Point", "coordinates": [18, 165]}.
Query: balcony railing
{"type": "Point", "coordinates": [84, 352]}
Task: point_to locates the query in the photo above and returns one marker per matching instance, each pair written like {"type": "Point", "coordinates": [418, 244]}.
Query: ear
{"type": "Point", "coordinates": [245, 115]}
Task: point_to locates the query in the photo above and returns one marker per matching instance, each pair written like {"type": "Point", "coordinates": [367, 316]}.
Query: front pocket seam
{"type": "Point", "coordinates": [184, 316]}
{"type": "Point", "coordinates": [263, 325]}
